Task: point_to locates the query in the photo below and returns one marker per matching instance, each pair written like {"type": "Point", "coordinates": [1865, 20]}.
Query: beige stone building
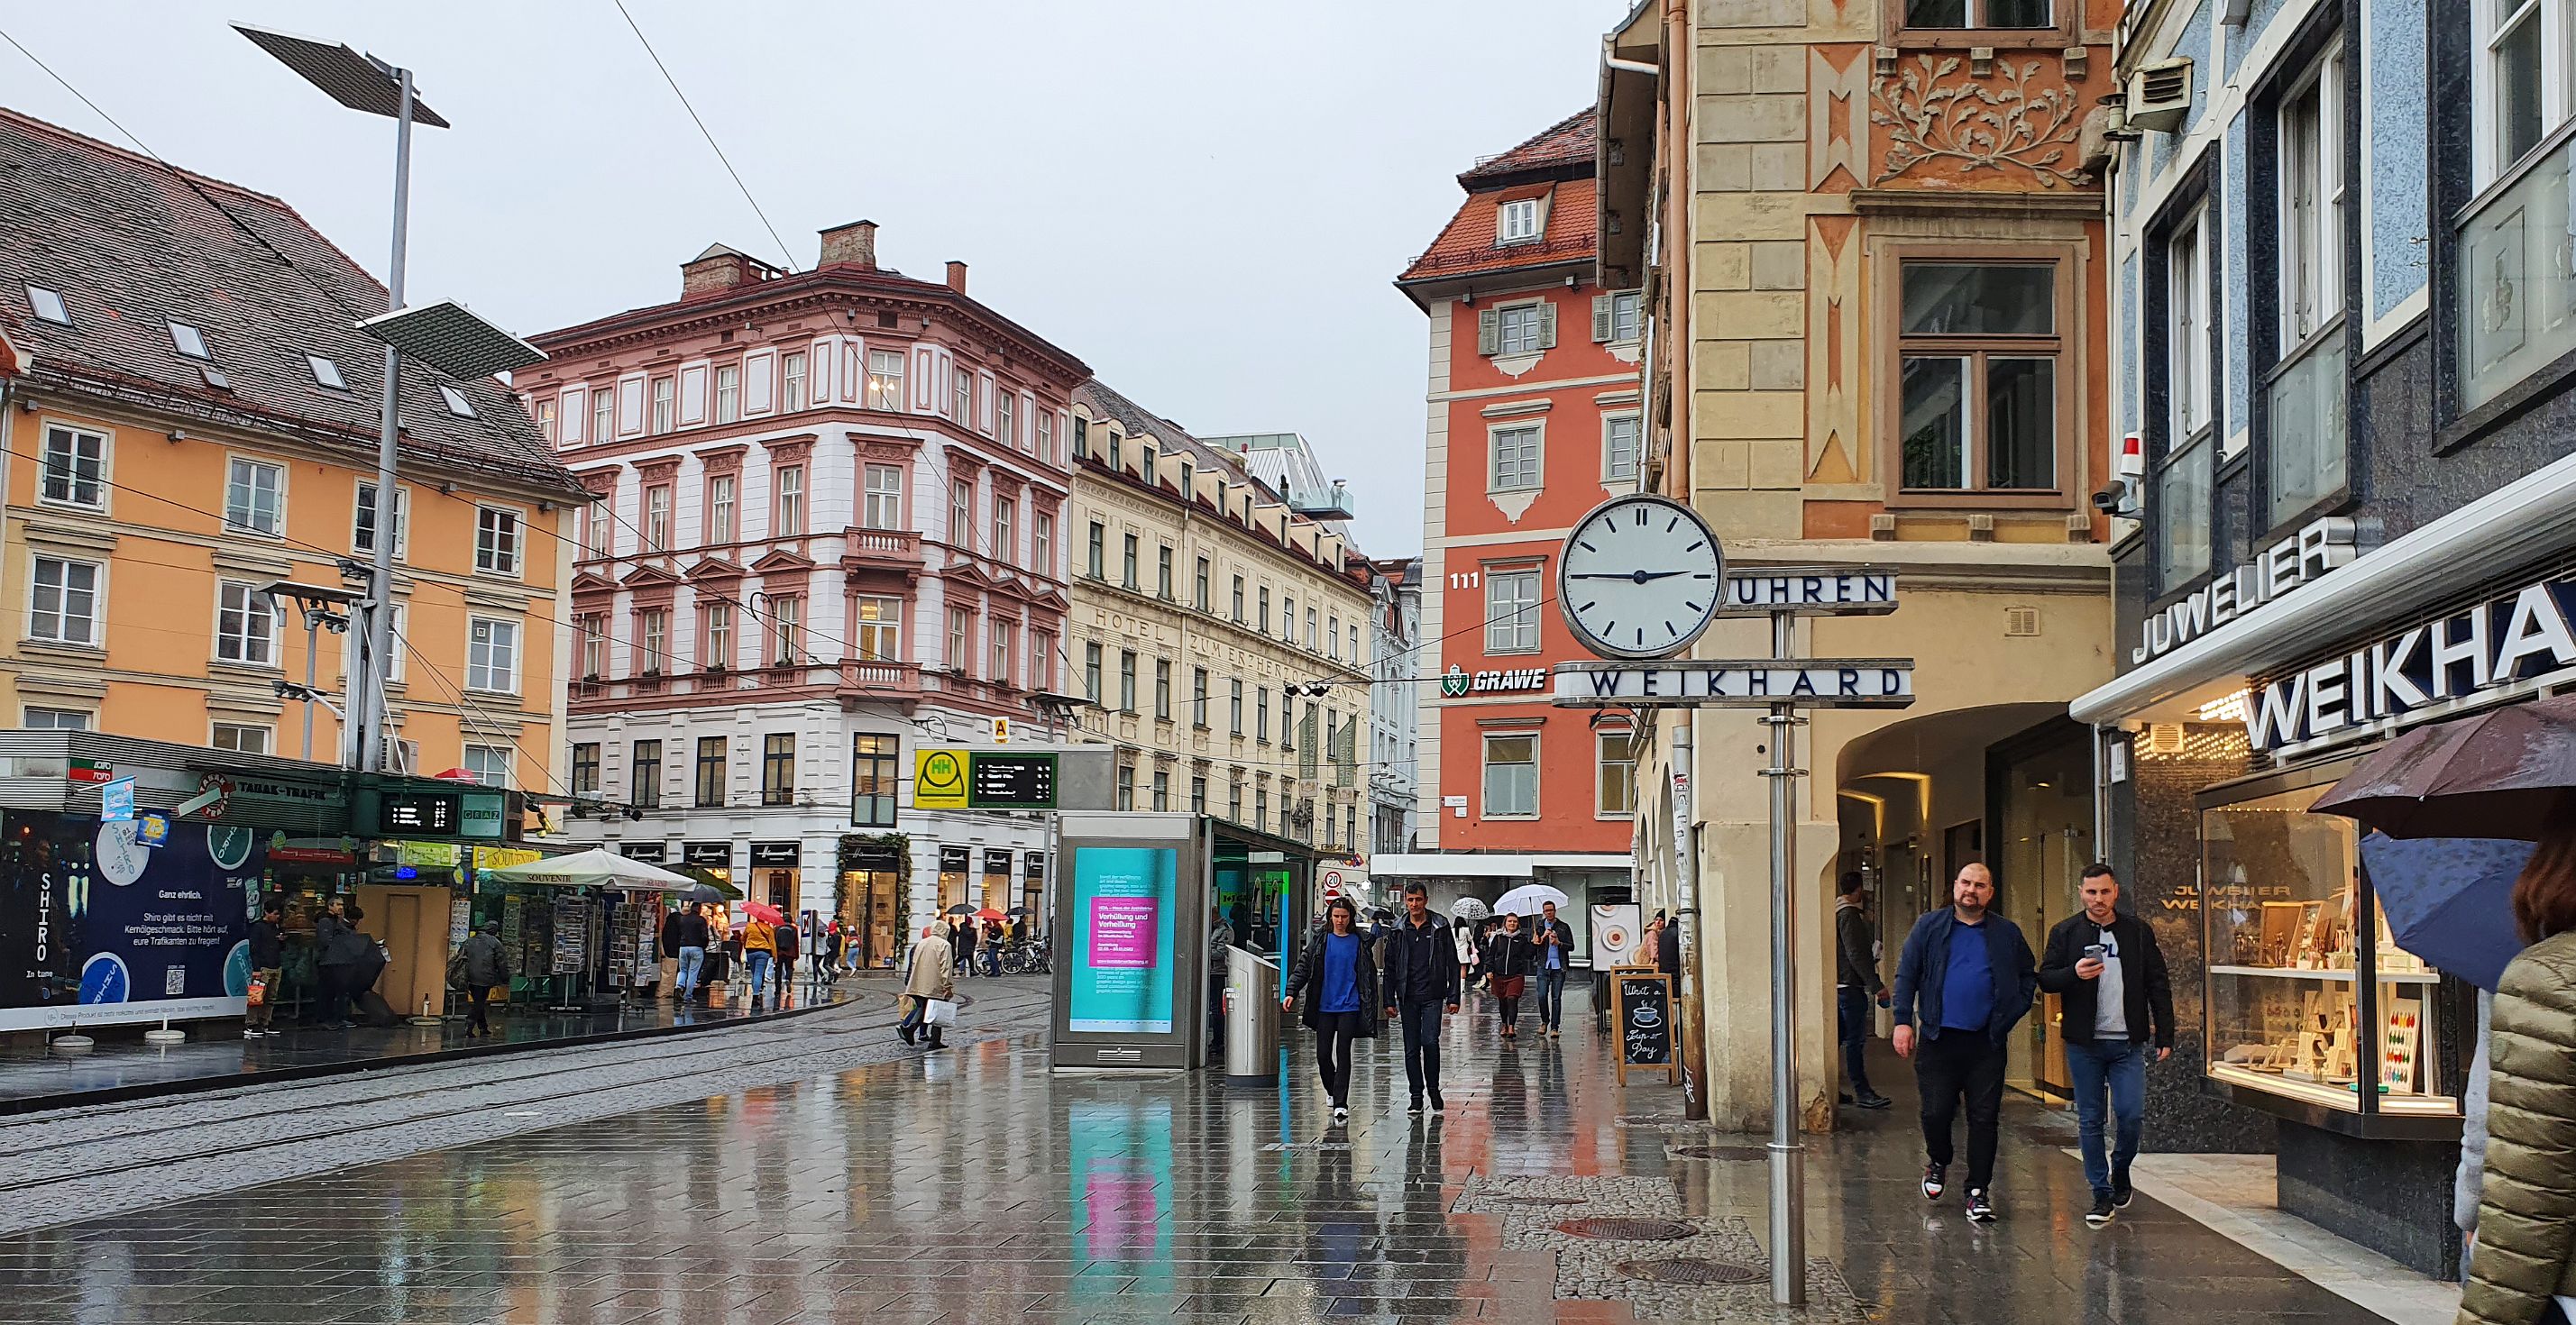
{"type": "Point", "coordinates": [1223, 636]}
{"type": "Point", "coordinates": [1873, 263]}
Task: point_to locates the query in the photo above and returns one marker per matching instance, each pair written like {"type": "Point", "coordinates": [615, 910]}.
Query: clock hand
{"type": "Point", "coordinates": [1632, 576]}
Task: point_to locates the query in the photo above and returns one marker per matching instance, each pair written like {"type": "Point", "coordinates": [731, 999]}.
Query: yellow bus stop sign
{"type": "Point", "coordinates": [939, 779]}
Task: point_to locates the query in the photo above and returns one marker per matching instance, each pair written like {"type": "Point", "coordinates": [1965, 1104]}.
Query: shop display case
{"type": "Point", "coordinates": [2311, 1010]}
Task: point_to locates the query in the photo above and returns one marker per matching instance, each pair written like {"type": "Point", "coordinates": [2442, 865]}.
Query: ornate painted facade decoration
{"type": "Point", "coordinates": [1982, 124]}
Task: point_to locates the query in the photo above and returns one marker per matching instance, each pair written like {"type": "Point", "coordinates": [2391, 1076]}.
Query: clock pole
{"type": "Point", "coordinates": [1788, 1155]}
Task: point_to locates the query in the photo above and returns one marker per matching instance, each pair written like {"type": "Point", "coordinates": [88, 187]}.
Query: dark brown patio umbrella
{"type": "Point", "coordinates": [2506, 773]}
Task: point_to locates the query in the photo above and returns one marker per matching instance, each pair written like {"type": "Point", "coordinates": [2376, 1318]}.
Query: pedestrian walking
{"type": "Point", "coordinates": [1508, 955]}
{"type": "Point", "coordinates": [963, 939]}
{"type": "Point", "coordinates": [686, 932]}
{"type": "Point", "coordinates": [827, 957]}
{"type": "Point", "coordinates": [1421, 982]}
{"type": "Point", "coordinates": [2522, 1256]}
{"type": "Point", "coordinates": [481, 967]}
{"type": "Point", "coordinates": [1220, 942]}
{"type": "Point", "coordinates": [785, 967]}
{"type": "Point", "coordinates": [666, 941]}
{"type": "Point", "coordinates": [1338, 972]}
{"type": "Point", "coordinates": [1970, 975]}
{"type": "Point", "coordinates": [339, 951]}
{"type": "Point", "coordinates": [1470, 952]}
{"type": "Point", "coordinates": [267, 955]}
{"type": "Point", "coordinates": [1554, 941]}
{"type": "Point", "coordinates": [929, 973]}
{"type": "Point", "coordinates": [2114, 1000]}
{"type": "Point", "coordinates": [1858, 990]}
{"type": "Point", "coordinates": [759, 950]}
{"type": "Point", "coordinates": [992, 945]}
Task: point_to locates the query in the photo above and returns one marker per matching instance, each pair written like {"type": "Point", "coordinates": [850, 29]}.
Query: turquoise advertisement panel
{"type": "Point", "coordinates": [1124, 900]}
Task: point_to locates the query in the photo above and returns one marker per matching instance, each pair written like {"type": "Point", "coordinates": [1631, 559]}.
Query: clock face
{"type": "Point", "coordinates": [1640, 577]}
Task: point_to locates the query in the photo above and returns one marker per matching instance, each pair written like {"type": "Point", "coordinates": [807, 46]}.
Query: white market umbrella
{"type": "Point", "coordinates": [598, 867]}
{"type": "Point", "coordinates": [1525, 900]}
{"type": "Point", "coordinates": [1470, 908]}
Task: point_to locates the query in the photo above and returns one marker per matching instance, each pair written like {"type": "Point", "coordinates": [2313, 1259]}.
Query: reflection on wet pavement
{"type": "Point", "coordinates": [973, 1185]}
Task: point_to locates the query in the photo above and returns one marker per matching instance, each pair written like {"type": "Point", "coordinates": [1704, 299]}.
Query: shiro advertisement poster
{"type": "Point", "coordinates": [1123, 903]}
{"type": "Point", "coordinates": [103, 929]}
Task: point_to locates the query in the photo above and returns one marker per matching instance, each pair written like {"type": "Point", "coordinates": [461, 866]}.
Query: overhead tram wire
{"type": "Point", "coordinates": [708, 134]}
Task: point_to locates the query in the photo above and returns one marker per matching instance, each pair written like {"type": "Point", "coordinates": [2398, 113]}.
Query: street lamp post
{"type": "Point", "coordinates": [444, 336]}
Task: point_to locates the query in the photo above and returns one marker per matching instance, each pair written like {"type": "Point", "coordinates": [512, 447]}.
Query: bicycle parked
{"type": "Point", "coordinates": [1025, 957]}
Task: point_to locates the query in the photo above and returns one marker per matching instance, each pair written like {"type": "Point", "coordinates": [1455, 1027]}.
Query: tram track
{"type": "Point", "coordinates": [54, 1171]}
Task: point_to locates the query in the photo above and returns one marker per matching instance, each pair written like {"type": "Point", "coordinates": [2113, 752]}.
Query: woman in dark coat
{"type": "Point", "coordinates": [1508, 959]}
{"type": "Point", "coordinates": [1339, 974]}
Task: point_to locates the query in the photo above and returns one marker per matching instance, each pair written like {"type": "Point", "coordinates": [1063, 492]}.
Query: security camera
{"type": "Point", "coordinates": [2119, 500]}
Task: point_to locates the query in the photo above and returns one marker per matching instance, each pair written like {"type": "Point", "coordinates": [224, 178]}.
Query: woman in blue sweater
{"type": "Point", "coordinates": [1339, 974]}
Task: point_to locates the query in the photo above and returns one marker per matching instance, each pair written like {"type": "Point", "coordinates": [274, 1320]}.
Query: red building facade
{"type": "Point", "coordinates": [1533, 420]}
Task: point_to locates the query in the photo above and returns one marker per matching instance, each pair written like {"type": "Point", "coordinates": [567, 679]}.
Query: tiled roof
{"type": "Point", "coordinates": [132, 246]}
{"type": "Point", "coordinates": [1105, 401]}
{"type": "Point", "coordinates": [1466, 245]}
{"type": "Point", "coordinates": [1568, 142]}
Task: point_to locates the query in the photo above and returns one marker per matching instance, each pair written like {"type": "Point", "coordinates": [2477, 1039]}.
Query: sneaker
{"type": "Point", "coordinates": [250, 1035]}
{"type": "Point", "coordinates": [1413, 1110]}
{"type": "Point", "coordinates": [1340, 1114]}
{"type": "Point", "coordinates": [1438, 1104]}
{"type": "Point", "coordinates": [1875, 1101]}
{"type": "Point", "coordinates": [1980, 1209]}
{"type": "Point", "coordinates": [2121, 1192]}
{"type": "Point", "coordinates": [1932, 1181]}
{"type": "Point", "coordinates": [2103, 1210]}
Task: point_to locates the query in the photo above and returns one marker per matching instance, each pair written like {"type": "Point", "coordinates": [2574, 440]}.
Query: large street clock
{"type": "Point", "coordinates": [1640, 577]}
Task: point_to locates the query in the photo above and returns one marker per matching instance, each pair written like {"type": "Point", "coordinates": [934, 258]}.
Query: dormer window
{"type": "Point", "coordinates": [48, 305]}
{"type": "Point", "coordinates": [326, 373]}
{"type": "Point", "coordinates": [457, 404]}
{"type": "Point", "coordinates": [1517, 222]}
{"type": "Point", "coordinates": [188, 341]}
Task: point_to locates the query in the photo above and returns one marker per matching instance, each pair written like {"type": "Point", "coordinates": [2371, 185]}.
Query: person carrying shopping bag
{"type": "Point", "coordinates": [929, 975]}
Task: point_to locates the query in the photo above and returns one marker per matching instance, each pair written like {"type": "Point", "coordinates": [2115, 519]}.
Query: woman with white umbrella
{"type": "Point", "coordinates": [1466, 911]}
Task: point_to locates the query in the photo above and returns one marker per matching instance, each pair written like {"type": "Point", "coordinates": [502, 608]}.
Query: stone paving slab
{"type": "Point", "coordinates": [822, 1172]}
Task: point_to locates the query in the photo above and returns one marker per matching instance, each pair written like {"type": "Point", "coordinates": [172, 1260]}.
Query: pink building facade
{"type": "Point", "coordinates": [829, 526]}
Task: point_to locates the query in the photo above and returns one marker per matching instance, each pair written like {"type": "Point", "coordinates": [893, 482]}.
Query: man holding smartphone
{"type": "Point", "coordinates": [2115, 999]}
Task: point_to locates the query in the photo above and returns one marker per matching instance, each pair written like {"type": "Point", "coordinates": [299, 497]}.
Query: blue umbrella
{"type": "Point", "coordinates": [2449, 900]}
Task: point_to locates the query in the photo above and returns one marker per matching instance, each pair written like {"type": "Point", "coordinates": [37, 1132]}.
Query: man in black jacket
{"type": "Point", "coordinates": [2114, 997]}
{"type": "Point", "coordinates": [1857, 987]}
{"type": "Point", "coordinates": [1421, 979]}
{"type": "Point", "coordinates": [267, 953]}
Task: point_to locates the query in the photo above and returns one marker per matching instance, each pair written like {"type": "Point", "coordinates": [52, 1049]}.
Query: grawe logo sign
{"type": "Point", "coordinates": [1458, 681]}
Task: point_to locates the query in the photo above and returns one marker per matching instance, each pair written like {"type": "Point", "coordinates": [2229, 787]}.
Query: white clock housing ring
{"type": "Point", "coordinates": [1639, 577]}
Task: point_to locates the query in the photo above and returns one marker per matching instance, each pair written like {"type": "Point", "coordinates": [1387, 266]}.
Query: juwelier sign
{"type": "Point", "coordinates": [2504, 642]}
{"type": "Point", "coordinates": [2283, 567]}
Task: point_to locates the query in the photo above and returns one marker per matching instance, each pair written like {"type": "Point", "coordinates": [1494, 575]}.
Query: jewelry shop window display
{"type": "Point", "coordinates": [2312, 1010]}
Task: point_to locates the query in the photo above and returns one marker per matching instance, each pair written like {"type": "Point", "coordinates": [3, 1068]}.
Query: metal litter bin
{"type": "Point", "coordinates": [1251, 1017]}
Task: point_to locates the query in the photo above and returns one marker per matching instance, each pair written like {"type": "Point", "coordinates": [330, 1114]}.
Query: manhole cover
{"type": "Point", "coordinates": [1693, 1270]}
{"type": "Point", "coordinates": [1615, 1229]}
{"type": "Point", "coordinates": [1747, 1154]}
{"type": "Point", "coordinates": [1541, 1200]}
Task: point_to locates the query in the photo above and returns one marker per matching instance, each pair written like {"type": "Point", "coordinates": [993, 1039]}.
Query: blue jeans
{"type": "Point", "coordinates": [1551, 997]}
{"type": "Point", "coordinates": [2121, 1066]}
{"type": "Point", "coordinates": [757, 962]}
{"type": "Point", "coordinates": [692, 960]}
{"type": "Point", "coordinates": [1852, 1008]}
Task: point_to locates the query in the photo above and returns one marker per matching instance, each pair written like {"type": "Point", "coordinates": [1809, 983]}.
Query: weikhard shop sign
{"type": "Point", "coordinates": [2511, 641]}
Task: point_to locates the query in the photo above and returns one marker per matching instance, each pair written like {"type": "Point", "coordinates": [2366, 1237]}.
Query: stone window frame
{"type": "Point", "coordinates": [2075, 314]}
{"type": "Point", "coordinates": [2059, 35]}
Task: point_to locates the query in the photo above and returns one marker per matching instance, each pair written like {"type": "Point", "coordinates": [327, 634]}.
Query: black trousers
{"type": "Point", "coordinates": [479, 1001]}
{"type": "Point", "coordinates": [1961, 1065]}
{"type": "Point", "coordinates": [1333, 1053]}
{"type": "Point", "coordinates": [1421, 1046]}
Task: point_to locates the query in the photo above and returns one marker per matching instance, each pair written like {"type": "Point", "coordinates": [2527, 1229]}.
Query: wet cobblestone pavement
{"type": "Point", "coordinates": [820, 1171]}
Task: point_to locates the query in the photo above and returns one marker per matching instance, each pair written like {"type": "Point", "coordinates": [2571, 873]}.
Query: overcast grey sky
{"type": "Point", "coordinates": [1205, 201]}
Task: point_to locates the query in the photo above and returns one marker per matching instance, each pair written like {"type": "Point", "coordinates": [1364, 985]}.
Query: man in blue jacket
{"type": "Point", "coordinates": [1967, 976]}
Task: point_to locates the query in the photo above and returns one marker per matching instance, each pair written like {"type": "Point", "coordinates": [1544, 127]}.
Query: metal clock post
{"type": "Point", "coordinates": [1615, 553]}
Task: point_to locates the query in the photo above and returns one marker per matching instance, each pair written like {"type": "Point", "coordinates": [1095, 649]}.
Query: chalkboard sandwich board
{"type": "Point", "coordinates": [1643, 1001]}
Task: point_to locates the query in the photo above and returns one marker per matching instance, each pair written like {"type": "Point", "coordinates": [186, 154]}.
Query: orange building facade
{"type": "Point", "coordinates": [191, 417]}
{"type": "Point", "coordinates": [1533, 420]}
